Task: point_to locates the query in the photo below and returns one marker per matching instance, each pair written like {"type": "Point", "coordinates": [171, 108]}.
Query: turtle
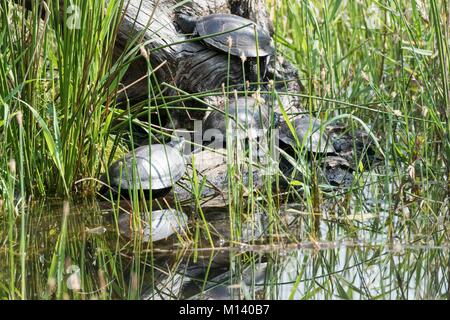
{"type": "Point", "coordinates": [355, 145]}
{"type": "Point", "coordinates": [164, 223]}
{"type": "Point", "coordinates": [212, 169]}
{"type": "Point", "coordinates": [337, 172]}
{"type": "Point", "coordinates": [232, 34]}
{"type": "Point", "coordinates": [247, 119]}
{"type": "Point", "coordinates": [157, 168]}
{"type": "Point", "coordinates": [308, 130]}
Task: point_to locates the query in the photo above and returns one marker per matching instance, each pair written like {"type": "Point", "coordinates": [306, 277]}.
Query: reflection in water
{"type": "Point", "coordinates": [158, 225]}
{"type": "Point", "coordinates": [82, 255]}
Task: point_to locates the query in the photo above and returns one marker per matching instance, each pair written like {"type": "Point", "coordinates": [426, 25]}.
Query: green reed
{"type": "Point", "coordinates": [57, 74]}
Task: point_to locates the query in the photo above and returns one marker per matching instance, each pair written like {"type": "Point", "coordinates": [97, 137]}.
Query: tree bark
{"type": "Point", "coordinates": [190, 66]}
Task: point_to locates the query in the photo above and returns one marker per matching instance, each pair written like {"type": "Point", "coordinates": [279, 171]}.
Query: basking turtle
{"type": "Point", "coordinates": [231, 33]}
{"type": "Point", "coordinates": [309, 134]}
{"type": "Point", "coordinates": [157, 168]}
{"type": "Point", "coordinates": [337, 172]}
{"type": "Point", "coordinates": [333, 171]}
{"type": "Point", "coordinates": [355, 145]}
{"type": "Point", "coordinates": [246, 117]}
{"type": "Point", "coordinates": [164, 223]}
{"type": "Point", "coordinates": [212, 172]}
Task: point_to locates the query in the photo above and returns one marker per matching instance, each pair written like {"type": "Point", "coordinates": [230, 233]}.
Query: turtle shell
{"type": "Point", "coordinates": [250, 117]}
{"type": "Point", "coordinates": [309, 132]}
{"type": "Point", "coordinates": [157, 167]}
{"type": "Point", "coordinates": [243, 40]}
{"type": "Point", "coordinates": [211, 166]}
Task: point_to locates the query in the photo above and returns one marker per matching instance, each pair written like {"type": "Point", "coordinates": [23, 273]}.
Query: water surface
{"type": "Point", "coordinates": [76, 251]}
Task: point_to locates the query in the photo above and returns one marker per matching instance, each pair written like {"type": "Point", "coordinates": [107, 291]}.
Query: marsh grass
{"type": "Point", "coordinates": [379, 67]}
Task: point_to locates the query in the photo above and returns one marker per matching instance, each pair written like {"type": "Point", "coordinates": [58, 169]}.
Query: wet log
{"type": "Point", "coordinates": [186, 64]}
{"type": "Point", "coordinates": [190, 66]}
{"type": "Point", "coordinates": [152, 21]}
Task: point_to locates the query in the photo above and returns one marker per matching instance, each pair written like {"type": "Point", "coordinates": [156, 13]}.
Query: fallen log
{"type": "Point", "coordinates": [192, 67]}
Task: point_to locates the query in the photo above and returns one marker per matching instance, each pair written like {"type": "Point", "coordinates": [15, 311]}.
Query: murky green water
{"type": "Point", "coordinates": [77, 252]}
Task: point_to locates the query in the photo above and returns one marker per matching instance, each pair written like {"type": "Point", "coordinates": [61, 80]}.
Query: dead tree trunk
{"type": "Point", "coordinates": [193, 67]}
{"type": "Point", "coordinates": [190, 66]}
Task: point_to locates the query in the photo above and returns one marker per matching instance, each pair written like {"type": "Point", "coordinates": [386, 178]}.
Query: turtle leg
{"type": "Point", "coordinates": [266, 61]}
{"type": "Point", "coordinates": [253, 71]}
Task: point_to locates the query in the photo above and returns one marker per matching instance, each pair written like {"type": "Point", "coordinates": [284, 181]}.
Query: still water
{"type": "Point", "coordinates": [77, 251]}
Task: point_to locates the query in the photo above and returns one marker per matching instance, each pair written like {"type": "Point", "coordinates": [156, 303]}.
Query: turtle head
{"type": "Point", "coordinates": [178, 144]}
{"type": "Point", "coordinates": [186, 23]}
